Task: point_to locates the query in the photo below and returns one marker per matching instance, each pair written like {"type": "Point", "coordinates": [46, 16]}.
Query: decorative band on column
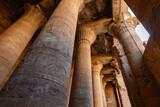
{"type": "Point", "coordinates": [86, 35]}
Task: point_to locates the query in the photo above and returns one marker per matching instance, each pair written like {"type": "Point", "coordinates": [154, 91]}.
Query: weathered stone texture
{"type": "Point", "coordinates": [123, 93]}
{"type": "Point", "coordinates": [146, 82]}
{"type": "Point", "coordinates": [151, 21]}
{"type": "Point", "coordinates": [82, 92]}
{"type": "Point", "coordinates": [94, 10]}
{"type": "Point", "coordinates": [70, 81]}
{"type": "Point", "coordinates": [97, 91]}
{"type": "Point", "coordinates": [98, 46]}
{"type": "Point", "coordinates": [103, 84]}
{"type": "Point", "coordinates": [152, 57]}
{"type": "Point", "coordinates": [130, 82]}
{"type": "Point", "coordinates": [42, 78]}
{"type": "Point", "coordinates": [111, 96]}
{"type": "Point", "coordinates": [16, 37]}
{"type": "Point", "coordinates": [116, 8]}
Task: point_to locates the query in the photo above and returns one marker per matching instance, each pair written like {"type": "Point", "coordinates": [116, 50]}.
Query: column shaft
{"type": "Point", "coordinates": [42, 78]}
{"type": "Point", "coordinates": [111, 96]}
{"type": "Point", "coordinates": [147, 84]}
{"type": "Point", "coordinates": [103, 93]}
{"type": "Point", "coordinates": [127, 75]}
{"type": "Point", "coordinates": [122, 91]}
{"type": "Point", "coordinates": [97, 90]}
{"type": "Point", "coordinates": [82, 93]}
{"type": "Point", "coordinates": [133, 47]}
{"type": "Point", "coordinates": [16, 37]}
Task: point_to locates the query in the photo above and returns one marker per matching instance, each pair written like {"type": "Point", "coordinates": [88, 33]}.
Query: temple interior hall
{"type": "Point", "coordinates": [79, 53]}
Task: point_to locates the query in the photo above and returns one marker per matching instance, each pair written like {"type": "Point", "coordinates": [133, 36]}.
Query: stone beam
{"type": "Point", "coordinates": [108, 70]}
{"type": "Point", "coordinates": [123, 6]}
{"type": "Point", "coordinates": [87, 1]}
{"type": "Point", "coordinates": [103, 58]}
{"type": "Point", "coordinates": [116, 8]}
{"type": "Point", "coordinates": [109, 78]}
{"type": "Point", "coordinates": [100, 25]}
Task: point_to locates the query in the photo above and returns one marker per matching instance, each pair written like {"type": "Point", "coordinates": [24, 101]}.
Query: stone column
{"type": "Point", "coordinates": [123, 29]}
{"type": "Point", "coordinates": [103, 84]}
{"type": "Point", "coordinates": [122, 91]}
{"type": "Point", "coordinates": [42, 78]}
{"type": "Point", "coordinates": [82, 93]}
{"type": "Point", "coordinates": [111, 96]}
{"type": "Point", "coordinates": [120, 86]}
{"type": "Point", "coordinates": [128, 77]}
{"type": "Point", "coordinates": [97, 90]}
{"type": "Point", "coordinates": [16, 37]}
{"type": "Point", "coordinates": [148, 12]}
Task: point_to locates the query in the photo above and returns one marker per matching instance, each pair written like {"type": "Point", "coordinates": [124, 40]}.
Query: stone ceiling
{"type": "Point", "coordinates": [93, 10]}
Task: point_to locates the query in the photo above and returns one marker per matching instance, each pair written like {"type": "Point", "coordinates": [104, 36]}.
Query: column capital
{"type": "Point", "coordinates": [121, 23]}
{"type": "Point", "coordinates": [86, 35]}
{"type": "Point", "coordinates": [97, 66]}
{"type": "Point", "coordinates": [34, 10]}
